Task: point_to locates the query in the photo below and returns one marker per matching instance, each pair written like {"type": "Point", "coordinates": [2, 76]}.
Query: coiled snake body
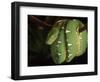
{"type": "Point", "coordinates": [65, 40]}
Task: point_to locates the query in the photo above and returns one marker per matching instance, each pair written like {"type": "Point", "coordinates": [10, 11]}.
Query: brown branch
{"type": "Point", "coordinates": [35, 20]}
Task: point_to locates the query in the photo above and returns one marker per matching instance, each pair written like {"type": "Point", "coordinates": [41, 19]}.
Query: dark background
{"type": "Point", "coordinates": [38, 51]}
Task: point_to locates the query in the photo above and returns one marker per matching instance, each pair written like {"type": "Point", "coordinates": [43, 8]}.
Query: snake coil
{"type": "Point", "coordinates": [65, 40]}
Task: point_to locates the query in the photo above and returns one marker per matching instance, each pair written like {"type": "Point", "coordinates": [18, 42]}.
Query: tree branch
{"type": "Point", "coordinates": [35, 20]}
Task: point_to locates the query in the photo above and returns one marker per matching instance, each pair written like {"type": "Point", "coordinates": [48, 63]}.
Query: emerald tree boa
{"type": "Point", "coordinates": [65, 40]}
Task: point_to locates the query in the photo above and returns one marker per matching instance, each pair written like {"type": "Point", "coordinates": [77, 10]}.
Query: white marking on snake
{"type": "Point", "coordinates": [67, 31]}
{"type": "Point", "coordinates": [80, 37]}
{"type": "Point", "coordinates": [62, 27]}
{"type": "Point", "coordinates": [69, 44]}
{"type": "Point", "coordinates": [59, 54]}
{"type": "Point", "coordinates": [59, 41]}
{"type": "Point", "coordinates": [70, 55]}
{"type": "Point", "coordinates": [68, 50]}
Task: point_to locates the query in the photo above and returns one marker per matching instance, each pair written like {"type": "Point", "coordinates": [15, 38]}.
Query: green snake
{"type": "Point", "coordinates": [65, 40]}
